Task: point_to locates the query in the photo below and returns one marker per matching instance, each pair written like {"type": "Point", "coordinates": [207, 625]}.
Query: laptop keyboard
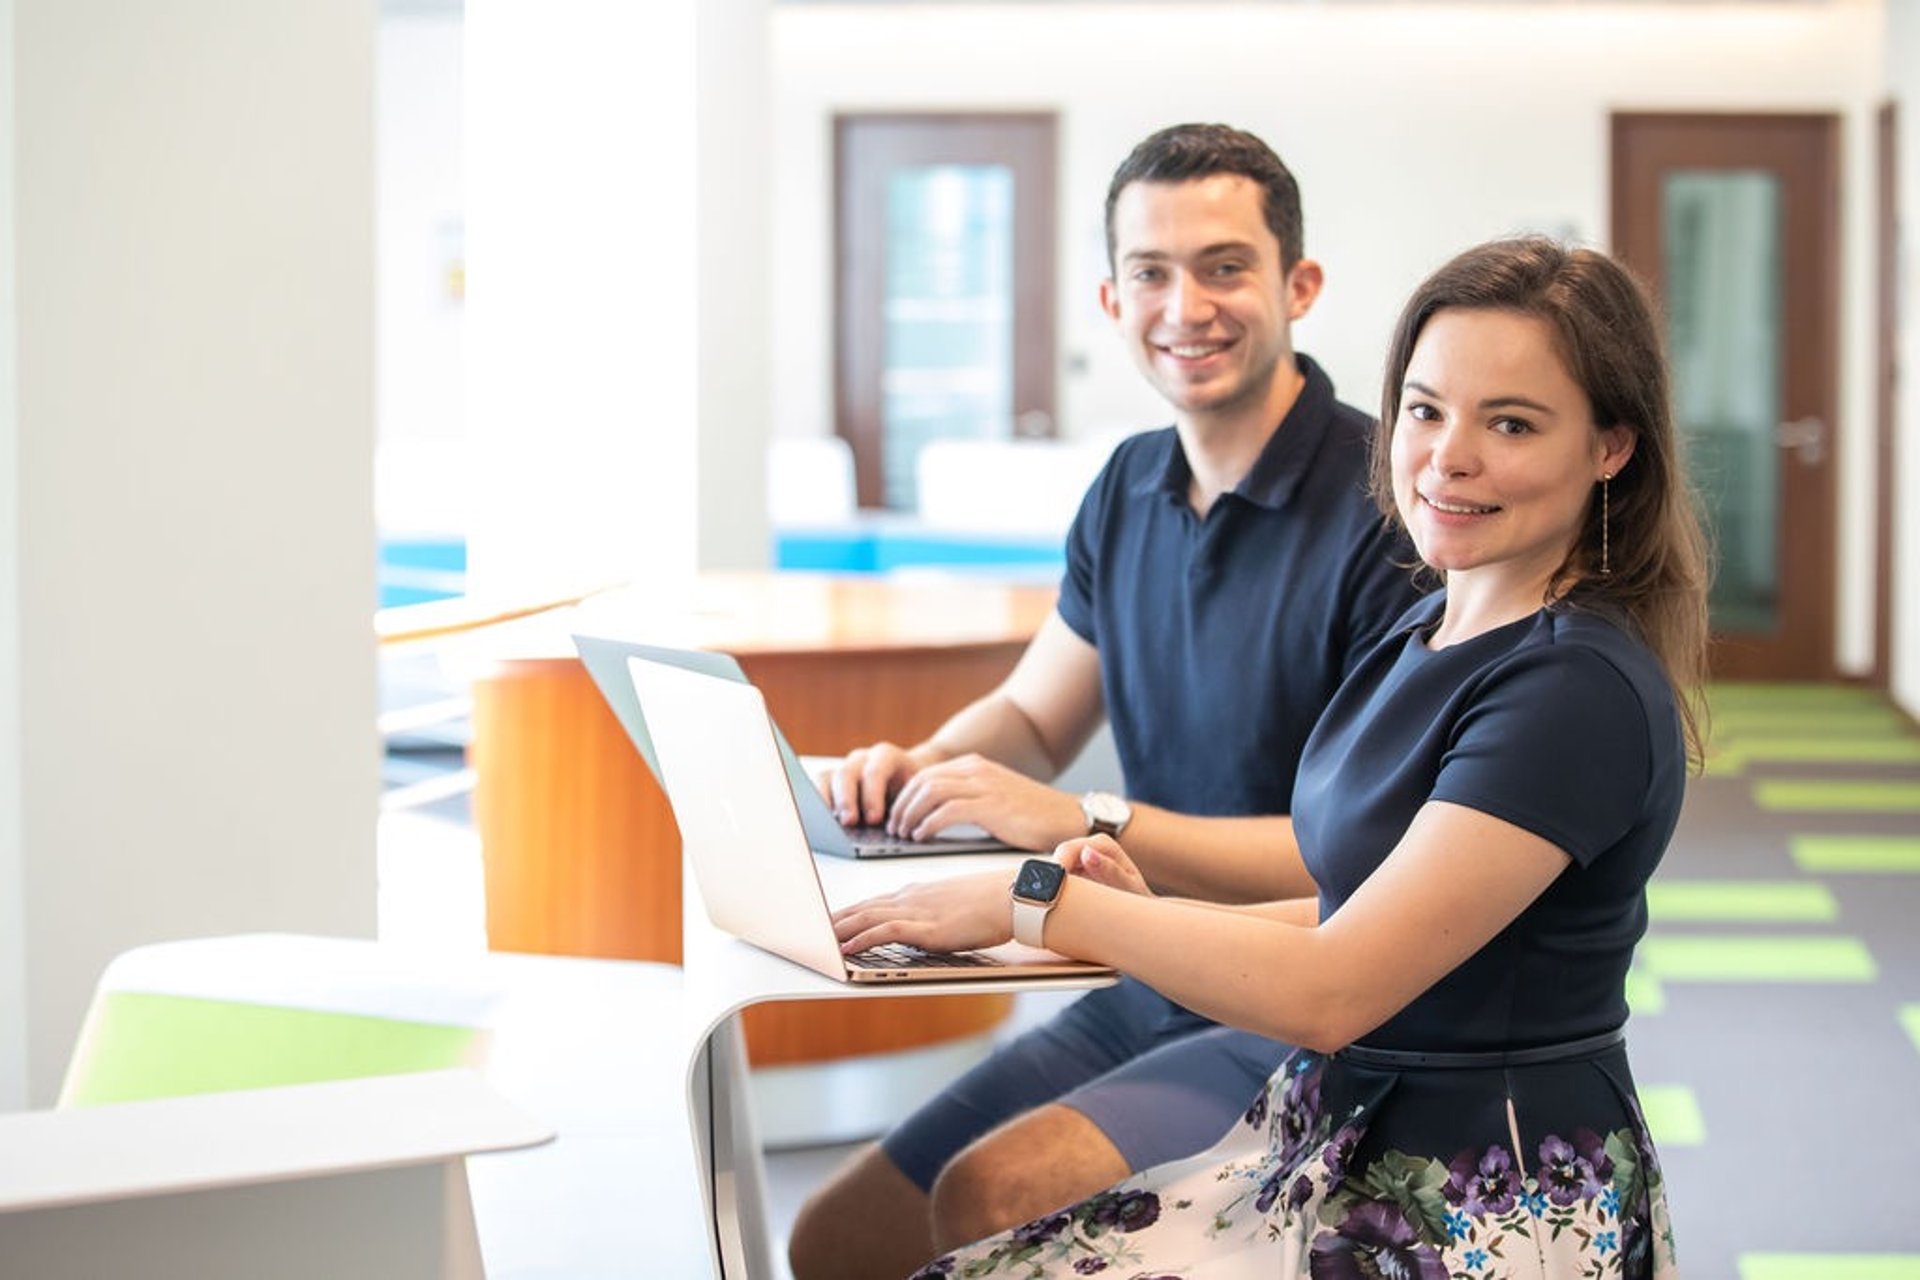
{"type": "Point", "coordinates": [898, 955]}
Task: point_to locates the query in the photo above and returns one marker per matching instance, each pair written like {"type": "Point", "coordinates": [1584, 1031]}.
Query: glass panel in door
{"type": "Point", "coordinates": [1721, 229]}
{"type": "Point", "coordinates": [948, 314]}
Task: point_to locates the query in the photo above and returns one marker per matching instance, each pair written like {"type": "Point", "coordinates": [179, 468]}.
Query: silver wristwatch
{"type": "Point", "coordinates": [1106, 813]}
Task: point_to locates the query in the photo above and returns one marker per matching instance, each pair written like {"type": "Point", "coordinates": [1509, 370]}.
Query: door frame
{"type": "Point", "coordinates": [1886, 241]}
{"type": "Point", "coordinates": [1646, 144]}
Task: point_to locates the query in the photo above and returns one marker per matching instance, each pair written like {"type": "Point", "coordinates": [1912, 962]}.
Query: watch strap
{"type": "Point", "coordinates": [1030, 922]}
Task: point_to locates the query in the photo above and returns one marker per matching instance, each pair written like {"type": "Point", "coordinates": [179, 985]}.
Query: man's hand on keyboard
{"type": "Point", "coordinates": [973, 789]}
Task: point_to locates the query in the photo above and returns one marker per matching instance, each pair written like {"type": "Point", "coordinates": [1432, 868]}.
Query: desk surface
{"type": "Point", "coordinates": [793, 613]}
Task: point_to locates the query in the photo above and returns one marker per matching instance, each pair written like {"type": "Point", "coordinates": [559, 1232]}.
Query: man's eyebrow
{"type": "Point", "coordinates": [1206, 251]}
{"type": "Point", "coordinates": [1492, 402]}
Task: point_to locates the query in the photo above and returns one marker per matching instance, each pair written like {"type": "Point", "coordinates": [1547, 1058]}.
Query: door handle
{"type": "Point", "coordinates": [1807, 437]}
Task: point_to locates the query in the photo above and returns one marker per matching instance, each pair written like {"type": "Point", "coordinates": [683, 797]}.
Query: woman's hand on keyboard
{"type": "Point", "coordinates": [957, 914]}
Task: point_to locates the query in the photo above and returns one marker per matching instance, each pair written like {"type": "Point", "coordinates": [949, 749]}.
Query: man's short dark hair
{"type": "Point", "coordinates": [1188, 151]}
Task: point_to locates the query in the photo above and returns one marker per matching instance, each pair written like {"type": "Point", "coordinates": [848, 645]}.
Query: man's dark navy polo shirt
{"type": "Point", "coordinates": [1222, 638]}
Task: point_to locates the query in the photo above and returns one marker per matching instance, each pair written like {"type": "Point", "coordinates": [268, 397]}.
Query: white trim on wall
{"type": "Point", "coordinates": [13, 952]}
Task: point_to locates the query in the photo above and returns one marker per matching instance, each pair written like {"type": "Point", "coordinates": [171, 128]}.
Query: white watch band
{"type": "Point", "coordinates": [1030, 922]}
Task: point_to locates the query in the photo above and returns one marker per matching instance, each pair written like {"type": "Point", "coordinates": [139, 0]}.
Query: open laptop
{"type": "Point", "coordinates": [606, 662]}
{"type": "Point", "coordinates": [720, 761]}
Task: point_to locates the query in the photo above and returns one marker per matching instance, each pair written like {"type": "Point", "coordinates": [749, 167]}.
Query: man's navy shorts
{"type": "Point", "coordinates": [1161, 1082]}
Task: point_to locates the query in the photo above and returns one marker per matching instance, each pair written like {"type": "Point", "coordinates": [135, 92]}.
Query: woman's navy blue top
{"type": "Point", "coordinates": [1561, 723]}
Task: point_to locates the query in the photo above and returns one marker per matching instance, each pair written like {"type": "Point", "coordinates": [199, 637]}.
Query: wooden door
{"type": "Point", "coordinates": [945, 288]}
{"type": "Point", "coordinates": [1734, 221]}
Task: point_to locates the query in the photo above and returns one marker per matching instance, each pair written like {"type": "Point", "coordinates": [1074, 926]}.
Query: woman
{"type": "Point", "coordinates": [1481, 806]}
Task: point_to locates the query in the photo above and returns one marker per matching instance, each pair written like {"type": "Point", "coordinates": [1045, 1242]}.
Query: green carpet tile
{"type": "Point", "coordinates": [1738, 754]}
{"type": "Point", "coordinates": [1846, 722]}
{"type": "Point", "coordinates": [1830, 1266]}
{"type": "Point", "coordinates": [1693, 958]}
{"type": "Point", "coordinates": [1838, 796]}
{"type": "Point", "coordinates": [1757, 901]}
{"type": "Point", "coordinates": [1882, 855]}
{"type": "Point", "coordinates": [1910, 1019]}
{"type": "Point", "coordinates": [1673, 1115]}
{"type": "Point", "coordinates": [1730, 697]}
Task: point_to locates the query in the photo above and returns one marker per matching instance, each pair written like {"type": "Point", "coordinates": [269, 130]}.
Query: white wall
{"type": "Point", "coordinates": [193, 229]}
{"type": "Point", "coordinates": [420, 479]}
{"type": "Point", "coordinates": [736, 204]}
{"type": "Point", "coordinates": [13, 954]}
{"type": "Point", "coordinates": [1903, 80]}
{"type": "Point", "coordinates": [616, 319]}
{"type": "Point", "coordinates": [1413, 131]}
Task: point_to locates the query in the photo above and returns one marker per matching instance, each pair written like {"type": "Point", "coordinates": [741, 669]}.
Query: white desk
{"type": "Point", "coordinates": [722, 976]}
{"type": "Point", "coordinates": [591, 1049]}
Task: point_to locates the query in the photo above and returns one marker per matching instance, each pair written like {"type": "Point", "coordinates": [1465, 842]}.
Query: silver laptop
{"type": "Point", "coordinates": [720, 761]}
{"type": "Point", "coordinates": [606, 662]}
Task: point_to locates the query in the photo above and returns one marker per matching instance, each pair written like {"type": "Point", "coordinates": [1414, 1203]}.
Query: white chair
{"type": "Point", "coordinates": [809, 482]}
{"type": "Point", "coordinates": [1010, 487]}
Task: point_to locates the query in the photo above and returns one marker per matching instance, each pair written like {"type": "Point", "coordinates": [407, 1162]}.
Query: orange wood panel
{"type": "Point", "coordinates": [829, 703]}
{"type": "Point", "coordinates": [581, 854]}
{"type": "Point", "coordinates": [789, 1032]}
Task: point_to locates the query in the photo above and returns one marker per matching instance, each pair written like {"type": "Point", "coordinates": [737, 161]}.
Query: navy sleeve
{"type": "Point", "coordinates": [1075, 605]}
{"type": "Point", "coordinates": [1555, 741]}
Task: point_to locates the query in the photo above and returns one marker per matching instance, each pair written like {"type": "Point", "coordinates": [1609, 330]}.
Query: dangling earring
{"type": "Point", "coordinates": [1606, 518]}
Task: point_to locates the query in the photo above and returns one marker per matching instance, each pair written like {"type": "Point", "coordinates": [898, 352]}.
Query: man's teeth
{"type": "Point", "coordinates": [1195, 352]}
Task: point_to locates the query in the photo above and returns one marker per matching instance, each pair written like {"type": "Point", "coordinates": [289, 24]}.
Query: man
{"type": "Point", "coordinates": [1222, 575]}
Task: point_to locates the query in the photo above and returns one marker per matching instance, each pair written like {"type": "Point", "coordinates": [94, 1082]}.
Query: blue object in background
{"type": "Point", "coordinates": [883, 548]}
{"type": "Point", "coordinates": [413, 570]}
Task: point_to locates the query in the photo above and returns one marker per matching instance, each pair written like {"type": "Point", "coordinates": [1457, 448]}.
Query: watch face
{"type": "Point", "coordinates": [1039, 881]}
{"type": "Point", "coordinates": [1106, 808]}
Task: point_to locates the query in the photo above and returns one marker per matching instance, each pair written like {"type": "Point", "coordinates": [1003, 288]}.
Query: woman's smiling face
{"type": "Point", "coordinates": [1495, 452]}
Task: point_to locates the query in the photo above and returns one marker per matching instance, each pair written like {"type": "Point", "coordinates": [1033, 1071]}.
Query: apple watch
{"type": "Point", "coordinates": [1106, 813]}
{"type": "Point", "coordinates": [1035, 890]}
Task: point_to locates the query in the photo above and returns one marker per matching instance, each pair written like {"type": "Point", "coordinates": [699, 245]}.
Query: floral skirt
{"type": "Point", "coordinates": [1347, 1172]}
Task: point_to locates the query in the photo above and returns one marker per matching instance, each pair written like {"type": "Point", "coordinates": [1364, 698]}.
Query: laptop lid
{"type": "Point", "coordinates": [606, 661]}
{"type": "Point", "coordinates": [720, 764]}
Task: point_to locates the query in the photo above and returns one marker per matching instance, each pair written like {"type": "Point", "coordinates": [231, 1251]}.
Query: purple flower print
{"type": "Point", "coordinates": [1566, 1175]}
{"type": "Point", "coordinates": [1041, 1230]}
{"type": "Point", "coordinates": [1120, 1211]}
{"type": "Point", "coordinates": [1375, 1240]}
{"type": "Point", "coordinates": [1090, 1266]}
{"type": "Point", "coordinates": [1340, 1150]}
{"type": "Point", "coordinates": [1300, 1192]}
{"type": "Point", "coordinates": [1485, 1187]}
{"type": "Point", "coordinates": [938, 1269]}
{"type": "Point", "coordinates": [1257, 1113]}
{"type": "Point", "coordinates": [1269, 1191]}
{"type": "Point", "coordinates": [1299, 1114]}
{"type": "Point", "coordinates": [1593, 1149]}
